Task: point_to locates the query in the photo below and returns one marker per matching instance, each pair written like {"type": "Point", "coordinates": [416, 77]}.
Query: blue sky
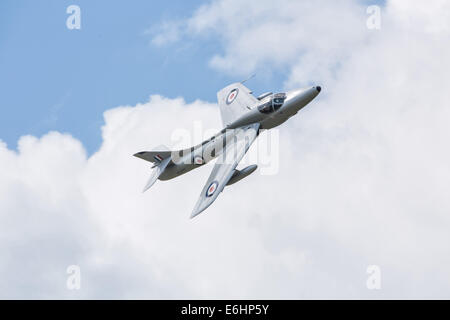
{"type": "Point", "coordinates": [53, 78]}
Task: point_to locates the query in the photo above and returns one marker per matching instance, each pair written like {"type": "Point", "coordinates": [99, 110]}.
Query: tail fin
{"type": "Point", "coordinates": [160, 160]}
{"type": "Point", "coordinates": [155, 156]}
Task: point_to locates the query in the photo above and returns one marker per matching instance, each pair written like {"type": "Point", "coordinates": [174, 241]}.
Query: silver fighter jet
{"type": "Point", "coordinates": [243, 116]}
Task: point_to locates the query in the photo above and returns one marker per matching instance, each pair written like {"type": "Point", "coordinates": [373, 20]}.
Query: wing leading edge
{"type": "Point", "coordinates": [223, 170]}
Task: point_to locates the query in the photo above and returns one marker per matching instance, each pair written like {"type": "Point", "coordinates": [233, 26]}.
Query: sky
{"type": "Point", "coordinates": [72, 76]}
{"type": "Point", "coordinates": [362, 175]}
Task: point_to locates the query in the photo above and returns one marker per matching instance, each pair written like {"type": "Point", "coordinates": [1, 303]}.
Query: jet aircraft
{"type": "Point", "coordinates": [243, 117]}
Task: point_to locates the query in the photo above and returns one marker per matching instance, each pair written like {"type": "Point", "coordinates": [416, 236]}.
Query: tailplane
{"type": "Point", "coordinates": [160, 160]}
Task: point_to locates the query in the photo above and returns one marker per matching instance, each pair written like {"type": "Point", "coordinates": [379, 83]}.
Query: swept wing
{"type": "Point", "coordinates": [223, 170]}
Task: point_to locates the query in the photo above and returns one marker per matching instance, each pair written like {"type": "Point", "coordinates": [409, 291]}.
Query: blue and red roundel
{"type": "Point", "coordinates": [198, 160]}
{"type": "Point", "coordinates": [212, 188]}
{"type": "Point", "coordinates": [232, 95]}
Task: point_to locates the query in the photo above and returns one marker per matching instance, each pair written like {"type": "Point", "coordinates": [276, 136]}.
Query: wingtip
{"type": "Point", "coordinates": [197, 210]}
{"type": "Point", "coordinates": [195, 213]}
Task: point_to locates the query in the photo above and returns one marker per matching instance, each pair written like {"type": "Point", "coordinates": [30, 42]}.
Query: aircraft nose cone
{"type": "Point", "coordinates": [318, 88]}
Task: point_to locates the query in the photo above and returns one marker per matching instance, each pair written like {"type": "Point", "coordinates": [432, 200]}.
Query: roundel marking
{"type": "Point", "coordinates": [198, 160]}
{"type": "Point", "coordinates": [232, 95]}
{"type": "Point", "coordinates": [212, 188]}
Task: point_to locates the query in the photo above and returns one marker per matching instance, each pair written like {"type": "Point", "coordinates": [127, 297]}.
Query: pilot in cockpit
{"type": "Point", "coordinates": [273, 104]}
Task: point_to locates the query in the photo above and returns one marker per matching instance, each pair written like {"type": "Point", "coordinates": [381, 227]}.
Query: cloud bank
{"type": "Point", "coordinates": [364, 173]}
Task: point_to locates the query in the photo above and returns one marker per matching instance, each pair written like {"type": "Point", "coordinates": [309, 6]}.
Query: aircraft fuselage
{"type": "Point", "coordinates": [266, 113]}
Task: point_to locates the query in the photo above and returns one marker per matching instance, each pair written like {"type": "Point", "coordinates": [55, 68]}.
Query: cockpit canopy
{"type": "Point", "coordinates": [273, 104]}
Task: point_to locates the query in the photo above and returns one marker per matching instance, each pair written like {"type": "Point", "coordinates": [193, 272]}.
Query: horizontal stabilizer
{"type": "Point", "coordinates": [157, 170]}
{"type": "Point", "coordinates": [160, 160]}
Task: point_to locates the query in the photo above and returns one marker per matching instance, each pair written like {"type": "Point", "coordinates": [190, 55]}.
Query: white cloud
{"type": "Point", "coordinates": [165, 33]}
{"type": "Point", "coordinates": [364, 176]}
{"type": "Point", "coordinates": [316, 36]}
